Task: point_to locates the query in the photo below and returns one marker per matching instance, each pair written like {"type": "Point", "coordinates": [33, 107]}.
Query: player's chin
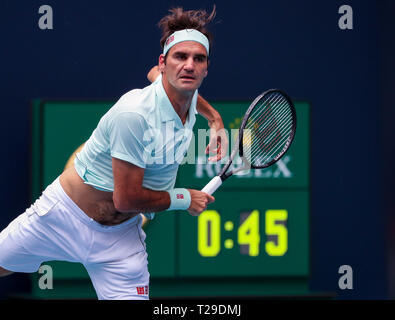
{"type": "Point", "coordinates": [189, 85]}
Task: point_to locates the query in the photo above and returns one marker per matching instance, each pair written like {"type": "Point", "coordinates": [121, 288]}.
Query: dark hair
{"type": "Point", "coordinates": [178, 19]}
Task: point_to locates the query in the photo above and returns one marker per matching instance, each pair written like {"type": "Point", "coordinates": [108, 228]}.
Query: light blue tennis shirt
{"type": "Point", "coordinates": [141, 128]}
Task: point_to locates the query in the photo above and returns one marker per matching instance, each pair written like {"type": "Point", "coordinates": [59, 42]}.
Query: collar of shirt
{"type": "Point", "coordinates": [166, 108]}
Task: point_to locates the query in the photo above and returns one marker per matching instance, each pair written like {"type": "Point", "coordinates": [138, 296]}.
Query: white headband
{"type": "Point", "coordinates": [186, 35]}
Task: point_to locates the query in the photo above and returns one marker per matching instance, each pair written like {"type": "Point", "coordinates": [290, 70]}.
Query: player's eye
{"type": "Point", "coordinates": [180, 56]}
{"type": "Point", "coordinates": [200, 58]}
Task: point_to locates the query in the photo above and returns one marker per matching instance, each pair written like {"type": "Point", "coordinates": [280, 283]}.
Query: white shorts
{"type": "Point", "coordinates": [55, 228]}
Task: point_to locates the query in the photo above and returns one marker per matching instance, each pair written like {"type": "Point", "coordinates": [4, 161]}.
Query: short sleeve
{"type": "Point", "coordinates": [131, 138]}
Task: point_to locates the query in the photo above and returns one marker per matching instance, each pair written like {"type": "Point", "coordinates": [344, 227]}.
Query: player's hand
{"type": "Point", "coordinates": [199, 202]}
{"type": "Point", "coordinates": [218, 145]}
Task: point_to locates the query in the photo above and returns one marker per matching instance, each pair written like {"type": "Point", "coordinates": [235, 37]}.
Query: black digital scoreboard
{"type": "Point", "coordinates": [252, 241]}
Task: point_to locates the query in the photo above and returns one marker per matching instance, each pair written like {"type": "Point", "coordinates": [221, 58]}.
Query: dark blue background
{"type": "Point", "coordinates": [101, 49]}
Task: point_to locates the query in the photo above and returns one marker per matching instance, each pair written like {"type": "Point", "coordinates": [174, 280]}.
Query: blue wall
{"type": "Point", "coordinates": [387, 114]}
{"type": "Point", "coordinates": [102, 49]}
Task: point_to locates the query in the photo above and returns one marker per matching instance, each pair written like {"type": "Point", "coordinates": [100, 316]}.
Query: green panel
{"type": "Point", "coordinates": [229, 286]}
{"type": "Point", "coordinates": [291, 171]}
{"type": "Point", "coordinates": [161, 239]}
{"type": "Point", "coordinates": [214, 259]}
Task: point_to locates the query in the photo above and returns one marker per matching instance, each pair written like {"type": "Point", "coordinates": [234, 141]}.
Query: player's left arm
{"type": "Point", "coordinates": [218, 144]}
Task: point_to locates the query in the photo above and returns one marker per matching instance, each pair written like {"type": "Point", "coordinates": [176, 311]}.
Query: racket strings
{"type": "Point", "coordinates": [268, 147]}
{"type": "Point", "coordinates": [274, 136]}
{"type": "Point", "coordinates": [255, 122]}
{"type": "Point", "coordinates": [268, 129]}
{"type": "Point", "coordinates": [270, 123]}
{"type": "Point", "coordinates": [263, 115]}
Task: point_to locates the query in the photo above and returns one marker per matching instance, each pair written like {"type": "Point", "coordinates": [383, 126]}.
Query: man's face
{"type": "Point", "coordinates": [185, 67]}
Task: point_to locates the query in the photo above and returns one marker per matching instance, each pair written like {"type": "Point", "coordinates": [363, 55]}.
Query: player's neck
{"type": "Point", "coordinates": [181, 101]}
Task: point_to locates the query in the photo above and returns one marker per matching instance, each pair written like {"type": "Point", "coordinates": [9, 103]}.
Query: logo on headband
{"type": "Point", "coordinates": [169, 40]}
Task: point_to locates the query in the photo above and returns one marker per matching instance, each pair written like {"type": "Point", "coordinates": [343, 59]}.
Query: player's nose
{"type": "Point", "coordinates": [189, 64]}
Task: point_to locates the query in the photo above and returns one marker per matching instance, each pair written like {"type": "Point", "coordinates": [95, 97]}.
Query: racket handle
{"type": "Point", "coordinates": [212, 185]}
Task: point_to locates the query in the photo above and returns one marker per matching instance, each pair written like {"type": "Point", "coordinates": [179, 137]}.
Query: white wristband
{"type": "Point", "coordinates": [180, 199]}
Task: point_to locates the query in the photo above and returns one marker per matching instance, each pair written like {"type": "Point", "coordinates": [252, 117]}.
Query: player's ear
{"type": "Point", "coordinates": [208, 64]}
{"type": "Point", "coordinates": [162, 62]}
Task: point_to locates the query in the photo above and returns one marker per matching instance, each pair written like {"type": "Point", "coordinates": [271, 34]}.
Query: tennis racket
{"type": "Point", "coordinates": [265, 134]}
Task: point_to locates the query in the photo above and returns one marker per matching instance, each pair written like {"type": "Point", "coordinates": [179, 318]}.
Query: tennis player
{"type": "Point", "coordinates": [91, 213]}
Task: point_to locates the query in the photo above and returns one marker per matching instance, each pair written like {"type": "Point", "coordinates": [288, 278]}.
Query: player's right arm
{"type": "Point", "coordinates": [130, 196]}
